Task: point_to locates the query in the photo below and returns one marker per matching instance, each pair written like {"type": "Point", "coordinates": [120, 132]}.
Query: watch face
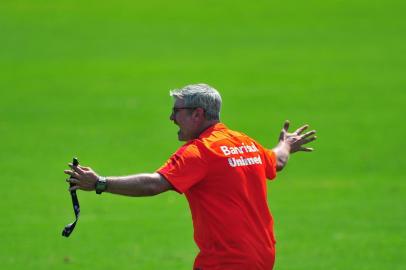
{"type": "Point", "coordinates": [101, 186]}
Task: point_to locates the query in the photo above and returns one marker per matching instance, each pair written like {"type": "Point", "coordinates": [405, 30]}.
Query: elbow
{"type": "Point", "coordinates": [282, 156]}
{"type": "Point", "coordinates": [280, 166]}
{"type": "Point", "coordinates": [155, 185]}
{"type": "Point", "coordinates": [149, 190]}
{"type": "Point", "coordinates": [153, 191]}
{"type": "Point", "coordinates": [156, 190]}
{"type": "Point", "coordinates": [281, 163]}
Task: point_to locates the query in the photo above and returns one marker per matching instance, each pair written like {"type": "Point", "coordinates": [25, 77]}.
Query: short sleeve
{"type": "Point", "coordinates": [185, 168]}
{"type": "Point", "coordinates": [270, 163]}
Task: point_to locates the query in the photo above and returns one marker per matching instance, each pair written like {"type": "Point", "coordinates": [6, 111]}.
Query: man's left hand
{"type": "Point", "coordinates": [297, 140]}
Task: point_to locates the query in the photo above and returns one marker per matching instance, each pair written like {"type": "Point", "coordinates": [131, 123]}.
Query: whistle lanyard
{"type": "Point", "coordinates": [76, 208]}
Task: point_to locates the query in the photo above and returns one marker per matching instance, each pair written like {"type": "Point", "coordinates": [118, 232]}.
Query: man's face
{"type": "Point", "coordinates": [183, 117]}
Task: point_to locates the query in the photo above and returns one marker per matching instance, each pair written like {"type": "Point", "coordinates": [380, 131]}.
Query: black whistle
{"type": "Point", "coordinates": [75, 162]}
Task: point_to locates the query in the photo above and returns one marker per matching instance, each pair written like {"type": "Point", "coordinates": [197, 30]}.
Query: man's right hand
{"type": "Point", "coordinates": [83, 178]}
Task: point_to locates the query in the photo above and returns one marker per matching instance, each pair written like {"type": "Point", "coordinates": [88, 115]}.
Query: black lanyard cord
{"type": "Point", "coordinates": [76, 208]}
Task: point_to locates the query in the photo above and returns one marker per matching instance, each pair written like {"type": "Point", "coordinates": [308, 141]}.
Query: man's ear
{"type": "Point", "coordinates": [199, 113]}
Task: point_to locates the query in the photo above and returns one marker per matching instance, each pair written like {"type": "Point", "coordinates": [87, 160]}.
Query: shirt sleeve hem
{"type": "Point", "coordinates": [272, 156]}
{"type": "Point", "coordinates": [170, 181]}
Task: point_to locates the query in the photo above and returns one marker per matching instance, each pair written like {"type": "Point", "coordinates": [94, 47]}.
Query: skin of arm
{"type": "Point", "coordinates": [282, 152]}
{"type": "Point", "coordinates": [137, 185]}
{"type": "Point", "coordinates": [291, 143]}
{"type": "Point", "coordinates": [145, 184]}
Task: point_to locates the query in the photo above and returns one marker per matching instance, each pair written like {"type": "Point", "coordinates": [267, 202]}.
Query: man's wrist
{"type": "Point", "coordinates": [284, 147]}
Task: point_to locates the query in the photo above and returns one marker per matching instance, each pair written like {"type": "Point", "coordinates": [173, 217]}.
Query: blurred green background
{"type": "Point", "coordinates": [91, 79]}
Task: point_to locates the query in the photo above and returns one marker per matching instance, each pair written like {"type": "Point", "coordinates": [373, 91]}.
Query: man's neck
{"type": "Point", "coordinates": [206, 125]}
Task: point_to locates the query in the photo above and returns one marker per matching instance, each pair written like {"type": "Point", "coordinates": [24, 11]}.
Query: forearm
{"type": "Point", "coordinates": [282, 152]}
{"type": "Point", "coordinates": [137, 185]}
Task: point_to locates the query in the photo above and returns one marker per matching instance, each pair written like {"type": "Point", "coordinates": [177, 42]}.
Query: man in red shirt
{"type": "Point", "coordinates": [223, 176]}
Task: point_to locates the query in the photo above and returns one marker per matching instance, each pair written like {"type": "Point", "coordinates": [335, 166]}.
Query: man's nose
{"type": "Point", "coordinates": [172, 117]}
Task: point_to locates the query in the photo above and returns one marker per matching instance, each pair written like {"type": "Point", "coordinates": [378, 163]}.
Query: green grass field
{"type": "Point", "coordinates": [91, 79]}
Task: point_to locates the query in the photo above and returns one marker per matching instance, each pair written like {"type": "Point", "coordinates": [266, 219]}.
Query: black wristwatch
{"type": "Point", "coordinates": [101, 185]}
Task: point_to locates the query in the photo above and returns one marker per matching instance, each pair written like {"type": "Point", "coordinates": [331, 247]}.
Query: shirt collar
{"type": "Point", "coordinates": [215, 127]}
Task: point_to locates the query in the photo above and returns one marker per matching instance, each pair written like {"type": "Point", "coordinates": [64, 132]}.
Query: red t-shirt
{"type": "Point", "coordinates": [223, 175]}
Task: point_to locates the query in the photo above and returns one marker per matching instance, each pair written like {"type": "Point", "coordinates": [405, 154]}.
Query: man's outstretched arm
{"type": "Point", "coordinates": [145, 184]}
{"type": "Point", "coordinates": [292, 142]}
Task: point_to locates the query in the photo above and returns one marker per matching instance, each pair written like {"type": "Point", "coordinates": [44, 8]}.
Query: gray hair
{"type": "Point", "coordinates": [200, 95]}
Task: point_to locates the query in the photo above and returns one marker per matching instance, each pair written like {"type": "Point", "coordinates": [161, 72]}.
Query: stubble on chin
{"type": "Point", "coordinates": [180, 136]}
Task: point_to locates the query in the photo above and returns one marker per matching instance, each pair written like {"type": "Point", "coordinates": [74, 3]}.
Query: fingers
{"type": "Point", "coordinates": [72, 173]}
{"type": "Point", "coordinates": [307, 134]}
{"type": "Point", "coordinates": [73, 188]}
{"type": "Point", "coordinates": [284, 130]}
{"type": "Point", "coordinates": [307, 140]}
{"type": "Point", "coordinates": [282, 135]}
{"type": "Point", "coordinates": [77, 169]}
{"type": "Point", "coordinates": [73, 180]}
{"type": "Point", "coordinates": [301, 129]}
{"type": "Point", "coordinates": [306, 149]}
{"type": "Point", "coordinates": [286, 125]}
{"type": "Point", "coordinates": [84, 168]}
{"type": "Point", "coordinates": [78, 177]}
{"type": "Point", "coordinates": [297, 140]}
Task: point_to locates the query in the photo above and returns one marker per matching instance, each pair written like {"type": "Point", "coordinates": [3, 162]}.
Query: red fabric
{"type": "Point", "coordinates": [223, 175]}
